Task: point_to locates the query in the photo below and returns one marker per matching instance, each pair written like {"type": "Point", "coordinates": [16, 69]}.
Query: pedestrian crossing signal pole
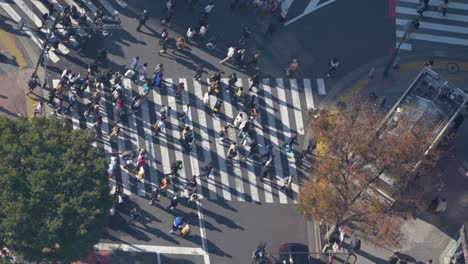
{"type": "Point", "coordinates": [409, 28]}
{"type": "Point", "coordinates": [46, 42]}
{"type": "Point", "coordinates": [395, 54]}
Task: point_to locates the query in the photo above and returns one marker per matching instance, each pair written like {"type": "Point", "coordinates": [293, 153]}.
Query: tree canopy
{"type": "Point", "coordinates": [54, 193]}
{"type": "Point", "coordinates": [351, 155]}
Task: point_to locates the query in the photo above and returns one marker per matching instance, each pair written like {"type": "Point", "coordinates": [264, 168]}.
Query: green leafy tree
{"type": "Point", "coordinates": [54, 193]}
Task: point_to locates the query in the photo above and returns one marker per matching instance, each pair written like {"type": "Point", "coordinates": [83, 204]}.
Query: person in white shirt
{"type": "Point", "coordinates": [190, 33]}
{"type": "Point", "coordinates": [230, 54]}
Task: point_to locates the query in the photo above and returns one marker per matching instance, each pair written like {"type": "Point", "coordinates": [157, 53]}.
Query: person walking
{"type": "Point", "coordinates": [38, 109]}
{"type": "Point", "coordinates": [176, 166]}
{"type": "Point", "coordinates": [155, 192]}
{"type": "Point", "coordinates": [190, 34]}
{"type": "Point", "coordinates": [164, 45]}
{"type": "Point", "coordinates": [333, 65]}
{"type": "Point", "coordinates": [142, 18]}
{"type": "Point", "coordinates": [229, 55]}
{"type": "Point", "coordinates": [165, 110]}
{"type": "Point", "coordinates": [115, 133]}
{"type": "Point", "coordinates": [193, 195]}
{"type": "Point", "coordinates": [423, 7]}
{"type": "Point", "coordinates": [207, 9]}
{"type": "Point", "coordinates": [287, 183]}
{"type": "Point", "coordinates": [238, 120]}
{"type": "Point", "coordinates": [206, 170]}
{"type": "Point", "coordinates": [292, 67]}
{"type": "Point", "coordinates": [179, 89]}
{"type": "Point", "coordinates": [232, 80]}
{"type": "Point", "coordinates": [250, 103]}
{"type": "Point", "coordinates": [180, 44]}
{"type": "Point", "coordinates": [202, 31]}
{"type": "Point", "coordinates": [199, 72]}
{"type": "Point", "coordinates": [232, 151]}
{"type": "Point", "coordinates": [134, 215]}
{"type": "Point", "coordinates": [254, 61]}
{"type": "Point", "coordinates": [443, 7]}
{"type": "Point", "coordinates": [134, 63]}
{"type": "Point", "coordinates": [185, 231]}
{"type": "Point", "coordinates": [255, 82]}
{"type": "Point", "coordinates": [222, 133]}
{"type": "Point", "coordinates": [217, 107]}
{"type": "Point", "coordinates": [291, 141]}
{"type": "Point", "coordinates": [253, 151]}
{"type": "Point", "coordinates": [159, 125]}
{"type": "Point", "coordinates": [185, 112]}
{"type": "Point", "coordinates": [174, 201]}
{"type": "Point", "coordinates": [177, 224]}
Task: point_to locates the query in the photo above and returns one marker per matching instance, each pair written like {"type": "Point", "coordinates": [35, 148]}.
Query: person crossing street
{"type": "Point", "coordinates": [142, 18]}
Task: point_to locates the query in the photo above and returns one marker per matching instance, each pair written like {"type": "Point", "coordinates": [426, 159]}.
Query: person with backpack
{"type": "Point", "coordinates": [177, 224]}
{"type": "Point", "coordinates": [222, 133]}
{"type": "Point", "coordinates": [217, 107]}
{"type": "Point", "coordinates": [206, 170]}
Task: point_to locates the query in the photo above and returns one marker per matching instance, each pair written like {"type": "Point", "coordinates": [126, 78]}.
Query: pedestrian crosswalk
{"type": "Point", "coordinates": [282, 105]}
{"type": "Point", "coordinates": [435, 28]}
{"type": "Point", "coordinates": [31, 12]}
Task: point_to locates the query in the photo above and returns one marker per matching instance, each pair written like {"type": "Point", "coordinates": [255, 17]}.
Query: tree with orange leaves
{"type": "Point", "coordinates": [354, 163]}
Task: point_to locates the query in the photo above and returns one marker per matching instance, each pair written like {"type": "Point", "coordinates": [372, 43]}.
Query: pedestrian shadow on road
{"type": "Point", "coordinates": [8, 112]}
{"type": "Point", "coordinates": [214, 249]}
{"type": "Point", "coordinates": [6, 60]}
{"type": "Point", "coordinates": [221, 219]}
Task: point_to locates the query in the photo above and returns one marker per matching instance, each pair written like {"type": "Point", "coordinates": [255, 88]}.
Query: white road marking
{"type": "Point", "coordinates": [133, 133]}
{"type": "Point", "coordinates": [437, 3]}
{"type": "Point", "coordinates": [201, 223]}
{"type": "Point", "coordinates": [273, 136]}
{"type": "Point", "coordinates": [120, 146]}
{"type": "Point", "coordinates": [287, 133]}
{"type": "Point", "coordinates": [434, 38]}
{"type": "Point", "coordinates": [435, 26]}
{"type": "Point", "coordinates": [151, 156]}
{"type": "Point", "coordinates": [309, 95]}
{"type": "Point", "coordinates": [90, 5]}
{"type": "Point", "coordinates": [222, 160]}
{"type": "Point", "coordinates": [311, 7]}
{"type": "Point", "coordinates": [205, 139]}
{"type": "Point", "coordinates": [297, 106]}
{"type": "Point", "coordinates": [12, 13]}
{"type": "Point", "coordinates": [236, 173]}
{"type": "Point", "coordinates": [108, 6]}
{"type": "Point", "coordinates": [164, 150]}
{"type": "Point", "coordinates": [432, 14]}
{"type": "Point", "coordinates": [404, 46]}
{"type": "Point", "coordinates": [151, 249]}
{"type": "Point", "coordinates": [321, 86]}
{"type": "Point", "coordinates": [122, 3]}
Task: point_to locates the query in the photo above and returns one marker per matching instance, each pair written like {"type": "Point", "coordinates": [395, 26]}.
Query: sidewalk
{"type": "Point", "coordinates": [429, 236]}
{"type": "Point", "coordinates": [14, 75]}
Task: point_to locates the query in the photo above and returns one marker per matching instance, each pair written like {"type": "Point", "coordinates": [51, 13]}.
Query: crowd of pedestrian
{"type": "Point", "coordinates": [102, 81]}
